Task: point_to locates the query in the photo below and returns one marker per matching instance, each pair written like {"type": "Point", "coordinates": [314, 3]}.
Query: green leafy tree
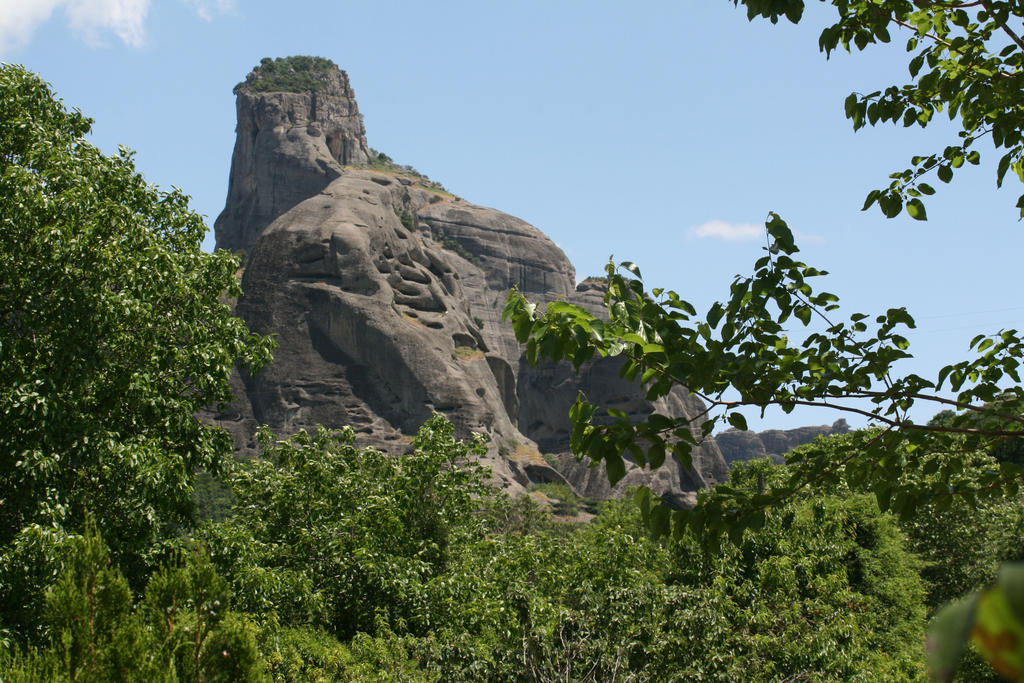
{"type": "Point", "coordinates": [182, 630]}
{"type": "Point", "coordinates": [966, 62]}
{"type": "Point", "coordinates": [742, 346]}
{"type": "Point", "coordinates": [328, 534]}
{"type": "Point", "coordinates": [825, 590]}
{"type": "Point", "coordinates": [740, 352]}
{"type": "Point", "coordinates": [289, 74]}
{"type": "Point", "coordinates": [114, 331]}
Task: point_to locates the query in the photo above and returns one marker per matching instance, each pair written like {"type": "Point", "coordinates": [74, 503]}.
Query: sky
{"type": "Point", "coordinates": [659, 132]}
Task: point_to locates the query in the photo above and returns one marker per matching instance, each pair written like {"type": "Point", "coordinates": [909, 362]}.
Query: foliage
{"type": "Point", "coordinates": [962, 547]}
{"type": "Point", "coordinates": [967, 63]}
{"type": "Point", "coordinates": [967, 59]}
{"type": "Point", "coordinates": [448, 242]}
{"type": "Point", "coordinates": [826, 583]}
{"type": "Point", "coordinates": [742, 346]}
{"type": "Point", "coordinates": [182, 630]}
{"type": "Point", "coordinates": [566, 502]}
{"type": "Point", "coordinates": [381, 162]}
{"type": "Point", "coordinates": [213, 498]}
{"type": "Point", "coordinates": [308, 654]}
{"type": "Point", "coordinates": [327, 534]}
{"type": "Point", "coordinates": [114, 332]}
{"type": "Point", "coordinates": [991, 618]}
{"type": "Point", "coordinates": [824, 591]}
{"type": "Point", "coordinates": [407, 218]}
{"type": "Point", "coordinates": [288, 74]}
{"type": "Point", "coordinates": [1007, 448]}
{"type": "Point", "coordinates": [339, 563]}
{"type": "Point", "coordinates": [351, 565]}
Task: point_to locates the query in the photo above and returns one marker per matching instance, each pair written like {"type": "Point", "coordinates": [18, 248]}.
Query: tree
{"type": "Point", "coordinates": [115, 328]}
{"type": "Point", "coordinates": [967, 62]}
{"type": "Point", "coordinates": [328, 534]}
{"type": "Point", "coordinates": [741, 346]}
{"type": "Point", "coordinates": [182, 629]}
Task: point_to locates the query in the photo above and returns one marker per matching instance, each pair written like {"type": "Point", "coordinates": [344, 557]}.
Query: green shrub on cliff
{"type": "Point", "coordinates": [288, 74]}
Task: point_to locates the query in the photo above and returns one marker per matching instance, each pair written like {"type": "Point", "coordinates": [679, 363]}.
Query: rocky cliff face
{"type": "Point", "coordinates": [385, 294]}
{"type": "Point", "coordinates": [289, 147]}
{"type": "Point", "coordinates": [737, 445]}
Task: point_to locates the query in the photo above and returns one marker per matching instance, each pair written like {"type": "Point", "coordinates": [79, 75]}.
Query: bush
{"type": "Point", "coordinates": [182, 630]}
{"type": "Point", "coordinates": [288, 74]}
{"type": "Point", "coordinates": [336, 536]}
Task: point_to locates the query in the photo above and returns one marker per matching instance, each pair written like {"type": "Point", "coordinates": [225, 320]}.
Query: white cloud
{"type": "Point", "coordinates": [19, 19]}
{"type": "Point", "coordinates": [126, 18]}
{"type": "Point", "coordinates": [807, 238]}
{"type": "Point", "coordinates": [730, 232]}
{"type": "Point", "coordinates": [90, 20]}
{"type": "Point", "coordinates": [206, 8]}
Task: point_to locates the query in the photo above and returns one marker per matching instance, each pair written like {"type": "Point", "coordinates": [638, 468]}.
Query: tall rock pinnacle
{"type": "Point", "coordinates": [298, 124]}
{"type": "Point", "coordinates": [385, 292]}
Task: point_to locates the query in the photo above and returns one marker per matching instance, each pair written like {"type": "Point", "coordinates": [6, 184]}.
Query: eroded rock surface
{"type": "Point", "coordinates": [736, 445]}
{"type": "Point", "coordinates": [385, 294]}
{"type": "Point", "coordinates": [289, 146]}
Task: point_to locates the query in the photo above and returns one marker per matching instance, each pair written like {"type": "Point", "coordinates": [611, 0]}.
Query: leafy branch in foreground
{"type": "Point", "coordinates": [115, 330]}
{"type": "Point", "coordinates": [740, 354]}
{"type": "Point", "coordinates": [967, 63]}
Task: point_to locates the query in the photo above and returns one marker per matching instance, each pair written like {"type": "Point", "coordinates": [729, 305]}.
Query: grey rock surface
{"type": "Point", "coordinates": [288, 147]}
{"type": "Point", "coordinates": [547, 391]}
{"type": "Point", "coordinates": [385, 295]}
{"type": "Point", "coordinates": [740, 446]}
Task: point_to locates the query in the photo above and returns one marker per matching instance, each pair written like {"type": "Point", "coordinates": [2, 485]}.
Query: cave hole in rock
{"type": "Point", "coordinates": [461, 339]}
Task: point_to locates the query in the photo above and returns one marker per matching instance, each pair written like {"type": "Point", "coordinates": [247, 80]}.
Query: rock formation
{"type": "Point", "coordinates": [385, 295]}
{"type": "Point", "coordinates": [738, 446]}
{"type": "Point", "coordinates": [289, 147]}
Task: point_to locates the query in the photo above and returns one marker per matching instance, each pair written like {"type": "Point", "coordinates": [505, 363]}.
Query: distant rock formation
{"type": "Point", "coordinates": [385, 295]}
{"type": "Point", "coordinates": [740, 446]}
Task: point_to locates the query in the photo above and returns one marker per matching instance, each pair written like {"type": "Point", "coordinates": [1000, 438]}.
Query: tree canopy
{"type": "Point", "coordinates": [967, 62]}
{"type": "Point", "coordinates": [744, 351]}
{"type": "Point", "coordinates": [289, 74]}
{"type": "Point", "coordinates": [115, 329]}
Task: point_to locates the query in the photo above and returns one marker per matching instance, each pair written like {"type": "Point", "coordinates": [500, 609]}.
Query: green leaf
{"type": "Point", "coordinates": [656, 455]}
{"type": "Point", "coordinates": [738, 421]}
{"type": "Point", "coordinates": [632, 267]}
{"type": "Point", "coordinates": [947, 637]}
{"type": "Point", "coordinates": [916, 210]}
{"type": "Point", "coordinates": [615, 466]}
{"type": "Point", "coordinates": [661, 517]}
{"type": "Point", "coordinates": [870, 199]}
{"type": "Point", "coordinates": [1004, 166]}
{"type": "Point", "coordinates": [715, 314]}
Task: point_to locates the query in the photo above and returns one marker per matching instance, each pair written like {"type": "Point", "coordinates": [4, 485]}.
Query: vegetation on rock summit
{"type": "Point", "coordinates": [288, 74]}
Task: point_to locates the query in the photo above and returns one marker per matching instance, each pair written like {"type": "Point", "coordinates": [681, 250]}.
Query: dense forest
{"type": "Point", "coordinates": [134, 547]}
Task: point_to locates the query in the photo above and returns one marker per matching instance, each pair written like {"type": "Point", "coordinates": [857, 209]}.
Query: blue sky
{"type": "Point", "coordinates": [657, 132]}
